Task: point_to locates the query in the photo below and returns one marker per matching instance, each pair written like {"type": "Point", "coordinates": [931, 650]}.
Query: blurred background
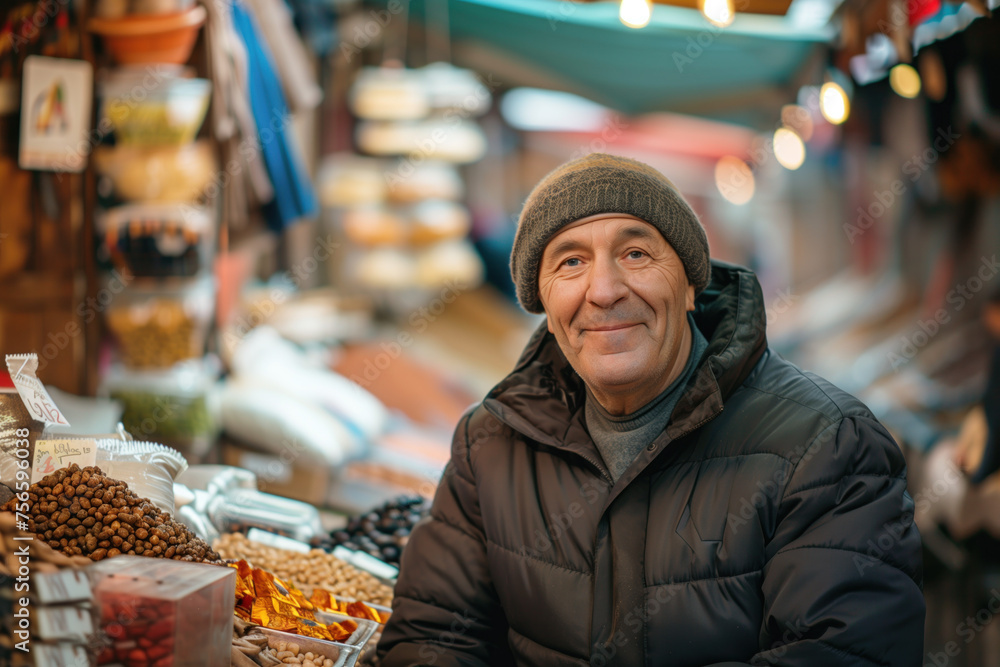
{"type": "Point", "coordinates": [274, 234]}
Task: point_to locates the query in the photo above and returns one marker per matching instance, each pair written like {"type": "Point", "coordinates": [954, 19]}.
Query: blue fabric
{"type": "Point", "coordinates": [294, 195]}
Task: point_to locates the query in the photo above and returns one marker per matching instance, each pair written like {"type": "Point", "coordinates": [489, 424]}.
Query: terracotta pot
{"type": "Point", "coordinates": [146, 39]}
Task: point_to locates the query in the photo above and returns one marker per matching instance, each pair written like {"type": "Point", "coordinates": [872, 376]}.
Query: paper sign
{"type": "Point", "coordinates": [64, 623]}
{"type": "Point", "coordinates": [52, 455]}
{"type": "Point", "coordinates": [36, 399]}
{"type": "Point", "coordinates": [55, 114]}
{"type": "Point", "coordinates": [60, 655]}
{"type": "Point", "coordinates": [60, 587]}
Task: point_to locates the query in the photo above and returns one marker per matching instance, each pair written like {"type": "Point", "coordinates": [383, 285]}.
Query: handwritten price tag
{"type": "Point", "coordinates": [36, 399]}
{"type": "Point", "coordinates": [52, 455]}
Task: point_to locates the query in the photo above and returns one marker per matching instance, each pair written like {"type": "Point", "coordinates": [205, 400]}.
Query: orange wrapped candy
{"type": "Point", "coordinates": [316, 632]}
{"type": "Point", "coordinates": [300, 600]}
{"type": "Point", "coordinates": [266, 585]}
{"type": "Point", "coordinates": [275, 606]}
{"type": "Point", "coordinates": [323, 599]}
{"type": "Point", "coordinates": [342, 631]}
{"type": "Point", "coordinates": [361, 610]}
{"type": "Point", "coordinates": [268, 619]}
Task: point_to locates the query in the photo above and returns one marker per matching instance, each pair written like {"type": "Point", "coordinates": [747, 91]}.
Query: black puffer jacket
{"type": "Point", "coordinates": [768, 524]}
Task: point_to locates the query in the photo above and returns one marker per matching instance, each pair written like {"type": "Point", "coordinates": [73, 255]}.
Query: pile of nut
{"type": "Point", "coordinates": [84, 513]}
{"type": "Point", "coordinates": [289, 653]}
{"type": "Point", "coordinates": [307, 570]}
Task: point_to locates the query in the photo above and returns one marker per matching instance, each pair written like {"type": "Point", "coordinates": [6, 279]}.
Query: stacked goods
{"type": "Point", "coordinates": [159, 326]}
{"type": "Point", "coordinates": [83, 512]}
{"type": "Point", "coordinates": [314, 569]}
{"type": "Point", "coordinates": [327, 601]}
{"type": "Point", "coordinates": [383, 532]}
{"type": "Point", "coordinates": [39, 562]}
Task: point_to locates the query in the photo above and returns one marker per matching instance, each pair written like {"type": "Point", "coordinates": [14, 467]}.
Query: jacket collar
{"type": "Point", "coordinates": [543, 397]}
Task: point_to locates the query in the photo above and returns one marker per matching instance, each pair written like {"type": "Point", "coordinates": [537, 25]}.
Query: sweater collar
{"type": "Point", "coordinates": [543, 397]}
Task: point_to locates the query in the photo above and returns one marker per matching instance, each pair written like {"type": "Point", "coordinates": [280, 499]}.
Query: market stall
{"type": "Point", "coordinates": [258, 255]}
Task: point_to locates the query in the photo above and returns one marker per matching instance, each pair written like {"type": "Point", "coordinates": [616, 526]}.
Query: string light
{"type": "Point", "coordinates": [734, 179]}
{"type": "Point", "coordinates": [718, 12]}
{"type": "Point", "coordinates": [635, 13]}
{"type": "Point", "coordinates": [904, 80]}
{"type": "Point", "coordinates": [788, 149]}
{"type": "Point", "coordinates": [833, 103]}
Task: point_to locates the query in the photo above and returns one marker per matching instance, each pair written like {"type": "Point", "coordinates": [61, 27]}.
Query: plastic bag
{"type": "Point", "coordinates": [148, 468]}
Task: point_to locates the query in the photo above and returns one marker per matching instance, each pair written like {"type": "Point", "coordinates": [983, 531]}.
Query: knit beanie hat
{"type": "Point", "coordinates": [602, 183]}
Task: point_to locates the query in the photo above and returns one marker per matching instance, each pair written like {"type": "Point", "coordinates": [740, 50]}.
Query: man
{"type": "Point", "coordinates": [651, 485]}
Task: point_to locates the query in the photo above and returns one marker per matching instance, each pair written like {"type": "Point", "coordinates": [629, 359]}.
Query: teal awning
{"type": "Point", "coordinates": [679, 62]}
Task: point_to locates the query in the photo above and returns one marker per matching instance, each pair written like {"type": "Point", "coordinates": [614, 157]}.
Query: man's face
{"type": "Point", "coordinates": [616, 298]}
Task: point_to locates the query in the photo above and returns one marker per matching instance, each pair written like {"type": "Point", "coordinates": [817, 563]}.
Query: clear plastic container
{"type": "Point", "coordinates": [160, 612]}
{"type": "Point", "coordinates": [153, 105]}
{"type": "Point", "coordinates": [158, 240]}
{"type": "Point", "coordinates": [177, 407]}
{"type": "Point", "coordinates": [242, 509]}
{"type": "Point", "coordinates": [160, 325]}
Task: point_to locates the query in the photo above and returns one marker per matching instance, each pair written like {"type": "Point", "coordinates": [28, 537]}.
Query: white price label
{"type": "Point", "coordinates": [60, 655]}
{"type": "Point", "coordinates": [64, 623]}
{"type": "Point", "coordinates": [59, 587]}
{"type": "Point", "coordinates": [52, 455]}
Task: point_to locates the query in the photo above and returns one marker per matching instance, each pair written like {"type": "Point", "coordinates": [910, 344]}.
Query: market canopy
{"type": "Point", "coordinates": [679, 62]}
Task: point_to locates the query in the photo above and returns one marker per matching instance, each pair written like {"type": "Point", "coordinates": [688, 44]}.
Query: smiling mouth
{"type": "Point", "coordinates": [613, 327]}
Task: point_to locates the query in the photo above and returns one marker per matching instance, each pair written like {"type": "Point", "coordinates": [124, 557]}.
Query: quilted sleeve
{"type": "Point", "coordinates": [445, 610]}
{"type": "Point", "coordinates": [842, 582]}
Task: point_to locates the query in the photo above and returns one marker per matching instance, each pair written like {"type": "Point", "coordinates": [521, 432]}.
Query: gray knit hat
{"type": "Point", "coordinates": [602, 183]}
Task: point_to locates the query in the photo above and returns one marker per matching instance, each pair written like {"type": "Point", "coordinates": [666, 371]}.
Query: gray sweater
{"type": "Point", "coordinates": [620, 438]}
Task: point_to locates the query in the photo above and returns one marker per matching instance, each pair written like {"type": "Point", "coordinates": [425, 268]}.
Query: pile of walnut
{"type": "Point", "coordinates": [83, 513]}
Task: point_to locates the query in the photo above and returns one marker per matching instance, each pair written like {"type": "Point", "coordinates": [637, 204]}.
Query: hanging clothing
{"type": "Point", "coordinates": [294, 195]}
